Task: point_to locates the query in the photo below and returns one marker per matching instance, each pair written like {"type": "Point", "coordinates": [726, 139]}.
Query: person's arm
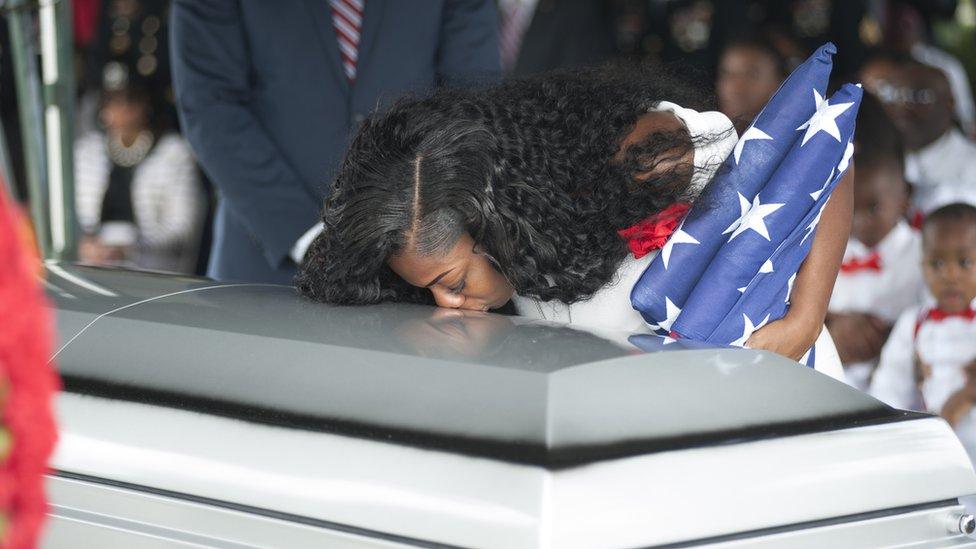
{"type": "Point", "coordinates": [468, 48]}
{"type": "Point", "coordinates": [212, 82]}
{"type": "Point", "coordinates": [858, 337]}
{"type": "Point", "coordinates": [893, 381]}
{"type": "Point", "coordinates": [795, 333]}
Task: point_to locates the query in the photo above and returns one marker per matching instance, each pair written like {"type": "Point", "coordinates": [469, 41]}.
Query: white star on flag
{"type": "Point", "coordinates": [672, 314]}
{"type": "Point", "coordinates": [767, 267]}
{"type": "Point", "coordinates": [748, 330]}
{"type": "Point", "coordinates": [824, 120]}
{"type": "Point", "coordinates": [789, 287]}
{"type": "Point", "coordinates": [679, 237]}
{"type": "Point", "coordinates": [752, 217]}
{"type": "Point", "coordinates": [815, 195]}
{"type": "Point", "coordinates": [750, 134]}
{"type": "Point", "coordinates": [813, 224]}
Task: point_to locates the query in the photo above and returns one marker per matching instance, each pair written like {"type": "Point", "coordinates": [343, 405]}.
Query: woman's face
{"type": "Point", "coordinates": [461, 278]}
{"type": "Point", "coordinates": [464, 278]}
{"type": "Point", "coordinates": [120, 115]}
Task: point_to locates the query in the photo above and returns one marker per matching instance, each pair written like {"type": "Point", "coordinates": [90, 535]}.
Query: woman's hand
{"type": "Point", "coordinates": [92, 250]}
{"type": "Point", "coordinates": [790, 336]}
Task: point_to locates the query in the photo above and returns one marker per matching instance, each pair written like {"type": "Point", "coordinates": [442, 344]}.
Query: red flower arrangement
{"type": "Point", "coordinates": [652, 233]}
{"type": "Point", "coordinates": [27, 384]}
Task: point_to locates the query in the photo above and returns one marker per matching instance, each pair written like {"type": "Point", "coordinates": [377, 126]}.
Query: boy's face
{"type": "Point", "coordinates": [747, 78]}
{"type": "Point", "coordinates": [880, 200]}
{"type": "Point", "coordinates": [949, 263]}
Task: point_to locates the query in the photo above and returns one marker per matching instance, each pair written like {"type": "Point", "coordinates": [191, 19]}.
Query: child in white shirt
{"type": "Point", "coordinates": [927, 363]}
{"type": "Point", "coordinates": [880, 276]}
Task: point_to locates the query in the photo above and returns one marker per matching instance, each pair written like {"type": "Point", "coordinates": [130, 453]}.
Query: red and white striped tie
{"type": "Point", "coordinates": [347, 18]}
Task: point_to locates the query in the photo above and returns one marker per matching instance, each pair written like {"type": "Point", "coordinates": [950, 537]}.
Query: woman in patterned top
{"type": "Point", "coordinates": [137, 190]}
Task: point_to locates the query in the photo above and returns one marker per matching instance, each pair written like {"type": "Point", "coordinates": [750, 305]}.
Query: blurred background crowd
{"type": "Point", "coordinates": [206, 131]}
{"type": "Point", "coordinates": [141, 199]}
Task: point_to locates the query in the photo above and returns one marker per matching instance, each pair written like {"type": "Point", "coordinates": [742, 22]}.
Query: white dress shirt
{"type": "Point", "coordinates": [297, 252]}
{"type": "Point", "coordinates": [946, 346]}
{"type": "Point", "coordinates": [943, 172]}
{"type": "Point", "coordinates": [885, 293]}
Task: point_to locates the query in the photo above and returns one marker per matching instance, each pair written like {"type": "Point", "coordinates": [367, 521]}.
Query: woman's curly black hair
{"type": "Point", "coordinates": [529, 168]}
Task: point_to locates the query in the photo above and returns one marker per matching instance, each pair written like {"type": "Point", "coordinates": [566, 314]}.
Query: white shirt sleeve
{"type": "Point", "coordinates": [894, 379]}
{"type": "Point", "coordinates": [297, 252]}
{"type": "Point", "coordinates": [91, 179]}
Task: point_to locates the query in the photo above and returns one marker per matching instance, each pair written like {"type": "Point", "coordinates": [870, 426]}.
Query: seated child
{"type": "Point", "coordinates": [927, 363]}
{"type": "Point", "coordinates": [880, 276]}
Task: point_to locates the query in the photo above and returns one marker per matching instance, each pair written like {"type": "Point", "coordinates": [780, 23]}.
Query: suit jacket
{"type": "Point", "coordinates": [565, 34]}
{"type": "Point", "coordinates": [269, 112]}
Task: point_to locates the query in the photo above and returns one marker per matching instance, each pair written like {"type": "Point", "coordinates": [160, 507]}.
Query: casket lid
{"type": "Point", "coordinates": [480, 384]}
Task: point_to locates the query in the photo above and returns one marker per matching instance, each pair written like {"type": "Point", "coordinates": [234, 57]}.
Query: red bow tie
{"type": "Point", "coordinates": [939, 314]}
{"type": "Point", "coordinates": [869, 263]}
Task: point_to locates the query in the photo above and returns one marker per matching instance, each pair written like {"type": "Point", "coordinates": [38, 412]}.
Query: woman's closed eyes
{"type": "Point", "coordinates": [457, 288]}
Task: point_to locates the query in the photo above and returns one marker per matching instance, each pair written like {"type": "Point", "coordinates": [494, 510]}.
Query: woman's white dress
{"type": "Point", "coordinates": [610, 314]}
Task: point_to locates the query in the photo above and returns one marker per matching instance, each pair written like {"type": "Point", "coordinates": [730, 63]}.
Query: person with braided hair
{"type": "Point", "coordinates": [544, 196]}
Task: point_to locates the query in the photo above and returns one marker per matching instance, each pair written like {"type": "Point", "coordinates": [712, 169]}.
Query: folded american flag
{"type": "Point", "coordinates": [729, 267]}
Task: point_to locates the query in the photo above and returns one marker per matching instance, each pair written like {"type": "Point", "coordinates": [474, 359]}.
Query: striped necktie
{"type": "Point", "coordinates": [347, 18]}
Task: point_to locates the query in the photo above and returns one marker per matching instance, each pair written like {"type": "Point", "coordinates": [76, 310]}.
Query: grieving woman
{"type": "Point", "coordinates": [519, 195]}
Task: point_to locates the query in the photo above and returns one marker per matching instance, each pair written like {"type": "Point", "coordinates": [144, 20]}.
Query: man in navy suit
{"type": "Point", "coordinates": [270, 92]}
